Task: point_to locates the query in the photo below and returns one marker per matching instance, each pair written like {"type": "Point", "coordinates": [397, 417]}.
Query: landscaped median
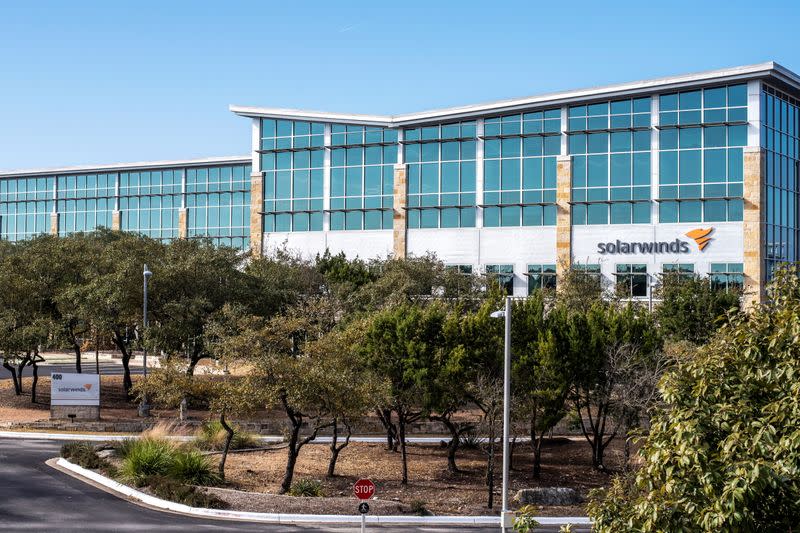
{"type": "Point", "coordinates": [178, 478]}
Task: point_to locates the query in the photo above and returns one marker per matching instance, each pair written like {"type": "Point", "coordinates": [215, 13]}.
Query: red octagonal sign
{"type": "Point", "coordinates": [364, 489]}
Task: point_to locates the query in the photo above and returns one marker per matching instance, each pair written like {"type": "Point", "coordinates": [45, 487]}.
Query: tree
{"type": "Point", "coordinates": [724, 449]}
{"type": "Point", "coordinates": [598, 339]}
{"type": "Point", "coordinates": [691, 308]}
{"type": "Point", "coordinates": [195, 280]}
{"type": "Point", "coordinates": [111, 299]}
{"type": "Point", "coordinates": [400, 346]}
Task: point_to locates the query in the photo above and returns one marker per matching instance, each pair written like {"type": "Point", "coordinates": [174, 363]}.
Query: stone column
{"type": "Point", "coordinates": [563, 215]}
{"type": "Point", "coordinates": [753, 226]}
{"type": "Point", "coordinates": [53, 223]}
{"type": "Point", "coordinates": [116, 220]}
{"type": "Point", "coordinates": [183, 223]}
{"type": "Point", "coordinates": [400, 222]}
{"type": "Point", "coordinates": [256, 208]}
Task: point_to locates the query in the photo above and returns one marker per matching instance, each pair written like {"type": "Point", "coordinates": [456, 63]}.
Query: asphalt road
{"type": "Point", "coordinates": [36, 497]}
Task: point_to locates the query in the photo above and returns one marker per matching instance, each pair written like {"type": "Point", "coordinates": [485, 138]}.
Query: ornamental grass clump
{"type": "Point", "coordinates": [212, 436]}
{"type": "Point", "coordinates": [146, 457]}
{"type": "Point", "coordinates": [192, 467]}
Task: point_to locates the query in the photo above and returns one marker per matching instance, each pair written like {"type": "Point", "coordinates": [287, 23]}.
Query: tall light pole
{"type": "Point", "coordinates": [506, 517]}
{"type": "Point", "coordinates": [144, 407]}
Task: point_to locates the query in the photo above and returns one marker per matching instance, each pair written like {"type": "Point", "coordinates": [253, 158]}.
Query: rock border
{"type": "Point", "coordinates": [126, 492]}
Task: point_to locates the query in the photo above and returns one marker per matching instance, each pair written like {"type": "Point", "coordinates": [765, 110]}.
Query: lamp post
{"type": "Point", "coordinates": [144, 407]}
{"type": "Point", "coordinates": [506, 517]}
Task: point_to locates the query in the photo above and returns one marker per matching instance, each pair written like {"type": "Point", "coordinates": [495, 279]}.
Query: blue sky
{"type": "Point", "coordinates": [97, 82]}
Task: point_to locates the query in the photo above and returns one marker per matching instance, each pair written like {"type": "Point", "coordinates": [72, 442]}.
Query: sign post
{"type": "Point", "coordinates": [364, 489]}
{"type": "Point", "coordinates": [75, 396]}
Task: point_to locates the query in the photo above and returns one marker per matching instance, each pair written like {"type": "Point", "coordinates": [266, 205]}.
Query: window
{"type": "Point", "coordinates": [591, 270]}
{"type": "Point", "coordinates": [701, 167]}
{"type": "Point", "coordinates": [519, 169]}
{"type": "Point", "coordinates": [292, 157]}
{"type": "Point", "coordinates": [727, 276]}
{"type": "Point", "coordinates": [504, 275]}
{"type": "Point", "coordinates": [541, 277]}
{"type": "Point", "coordinates": [461, 269]}
{"type": "Point", "coordinates": [632, 280]}
{"type": "Point", "coordinates": [441, 175]}
{"type": "Point", "coordinates": [362, 177]}
{"type": "Point", "coordinates": [610, 145]}
{"type": "Point", "coordinates": [681, 270]}
{"type": "Point", "coordinates": [780, 138]}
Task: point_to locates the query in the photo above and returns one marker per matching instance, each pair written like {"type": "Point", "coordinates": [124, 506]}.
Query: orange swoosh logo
{"type": "Point", "coordinates": [88, 386]}
{"type": "Point", "coordinates": [701, 237]}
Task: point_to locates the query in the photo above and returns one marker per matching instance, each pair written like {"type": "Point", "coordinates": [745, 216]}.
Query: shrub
{"type": "Point", "coordinates": [306, 488]}
{"type": "Point", "coordinates": [723, 451]}
{"type": "Point", "coordinates": [83, 454]}
{"type": "Point", "coordinates": [470, 441]}
{"type": "Point", "coordinates": [211, 436]}
{"type": "Point", "coordinates": [175, 491]}
{"type": "Point", "coordinates": [190, 466]}
{"type": "Point", "coordinates": [147, 457]}
{"type": "Point", "coordinates": [418, 508]}
{"type": "Point", "coordinates": [524, 521]}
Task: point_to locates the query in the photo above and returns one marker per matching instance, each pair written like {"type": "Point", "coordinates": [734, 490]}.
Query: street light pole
{"type": "Point", "coordinates": [144, 407]}
{"type": "Point", "coordinates": [505, 516]}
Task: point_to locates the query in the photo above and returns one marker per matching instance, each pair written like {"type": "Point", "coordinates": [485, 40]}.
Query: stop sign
{"type": "Point", "coordinates": [364, 489]}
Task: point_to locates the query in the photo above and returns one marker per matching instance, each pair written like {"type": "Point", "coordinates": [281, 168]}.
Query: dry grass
{"type": "Point", "coordinates": [566, 463]}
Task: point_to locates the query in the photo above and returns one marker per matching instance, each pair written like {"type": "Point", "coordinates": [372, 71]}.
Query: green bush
{"type": "Point", "coordinates": [470, 440]}
{"type": "Point", "coordinates": [306, 488]}
{"type": "Point", "coordinates": [418, 508]}
{"type": "Point", "coordinates": [190, 466]}
{"type": "Point", "coordinates": [170, 489]}
{"type": "Point", "coordinates": [146, 457]}
{"type": "Point", "coordinates": [723, 451]}
{"type": "Point", "coordinates": [83, 454]}
{"type": "Point", "coordinates": [123, 447]}
{"type": "Point", "coordinates": [211, 436]}
{"type": "Point", "coordinates": [525, 522]}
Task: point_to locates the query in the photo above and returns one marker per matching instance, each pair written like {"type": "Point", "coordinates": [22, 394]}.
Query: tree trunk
{"type": "Point", "coordinates": [336, 450]}
{"type": "Point", "coordinates": [13, 372]}
{"type": "Point", "coordinates": [385, 416]}
{"type": "Point", "coordinates": [228, 438]}
{"type": "Point", "coordinates": [404, 457]}
{"type": "Point", "coordinates": [20, 368]}
{"type": "Point", "coordinates": [35, 381]}
{"type": "Point", "coordinates": [455, 440]}
{"type": "Point", "coordinates": [77, 349]}
{"type": "Point", "coordinates": [127, 383]}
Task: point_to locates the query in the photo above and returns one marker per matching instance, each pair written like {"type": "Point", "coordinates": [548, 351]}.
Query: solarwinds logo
{"type": "Point", "coordinates": [677, 246]}
{"type": "Point", "coordinates": [701, 237]}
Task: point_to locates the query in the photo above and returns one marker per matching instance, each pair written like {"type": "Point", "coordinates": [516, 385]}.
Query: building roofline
{"type": "Point", "coordinates": [115, 167]}
{"type": "Point", "coordinates": [741, 73]}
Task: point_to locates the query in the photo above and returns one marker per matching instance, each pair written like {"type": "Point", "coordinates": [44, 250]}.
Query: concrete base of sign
{"type": "Point", "coordinates": [75, 412]}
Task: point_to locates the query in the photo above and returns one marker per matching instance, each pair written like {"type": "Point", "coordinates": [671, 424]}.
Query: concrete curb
{"type": "Point", "coordinates": [278, 518]}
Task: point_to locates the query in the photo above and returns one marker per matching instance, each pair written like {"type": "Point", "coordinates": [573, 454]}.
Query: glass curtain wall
{"type": "Point", "coordinates": [780, 138]}
{"type": "Point", "coordinates": [362, 177]}
{"type": "Point", "coordinates": [218, 202]}
{"type": "Point", "coordinates": [149, 202]}
{"type": "Point", "coordinates": [701, 163]}
{"type": "Point", "coordinates": [25, 207]}
{"type": "Point", "coordinates": [519, 169]}
{"type": "Point", "coordinates": [292, 159]}
{"type": "Point", "coordinates": [441, 175]}
{"type": "Point", "coordinates": [610, 145]}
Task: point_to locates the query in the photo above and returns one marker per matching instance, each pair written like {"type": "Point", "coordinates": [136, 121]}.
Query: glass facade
{"type": "Point", "coordinates": [610, 145]}
{"type": "Point", "coordinates": [292, 161]}
{"type": "Point", "coordinates": [701, 163]}
{"type": "Point", "coordinates": [780, 138]}
{"type": "Point", "coordinates": [503, 274]}
{"type": "Point", "coordinates": [217, 198]}
{"type": "Point", "coordinates": [25, 207]}
{"type": "Point", "coordinates": [362, 177]}
{"type": "Point", "coordinates": [441, 175]}
{"type": "Point", "coordinates": [519, 169]}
